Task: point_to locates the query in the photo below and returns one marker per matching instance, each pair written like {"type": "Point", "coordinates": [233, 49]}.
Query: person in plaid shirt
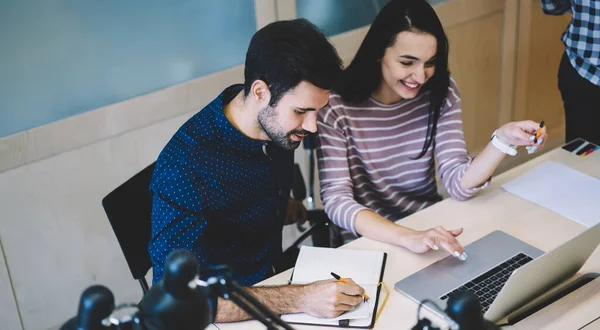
{"type": "Point", "coordinates": [579, 71]}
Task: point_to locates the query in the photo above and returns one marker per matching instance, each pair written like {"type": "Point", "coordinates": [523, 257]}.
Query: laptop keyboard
{"type": "Point", "coordinates": [488, 285]}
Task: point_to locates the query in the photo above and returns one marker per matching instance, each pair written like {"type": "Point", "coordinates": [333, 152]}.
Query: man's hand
{"type": "Point", "coordinates": [296, 212]}
{"type": "Point", "coordinates": [330, 298]}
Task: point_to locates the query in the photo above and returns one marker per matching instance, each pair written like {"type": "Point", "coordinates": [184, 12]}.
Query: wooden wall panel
{"type": "Point", "coordinates": [540, 50]}
{"type": "Point", "coordinates": [475, 63]}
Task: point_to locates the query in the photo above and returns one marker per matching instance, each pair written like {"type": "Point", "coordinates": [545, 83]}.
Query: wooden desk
{"type": "Point", "coordinates": [492, 209]}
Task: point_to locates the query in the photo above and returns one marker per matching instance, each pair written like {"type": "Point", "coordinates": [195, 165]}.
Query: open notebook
{"type": "Point", "coordinates": [363, 266]}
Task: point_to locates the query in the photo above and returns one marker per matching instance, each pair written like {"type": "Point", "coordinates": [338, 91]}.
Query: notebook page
{"type": "Point", "coordinates": [561, 189]}
{"type": "Point", "coordinates": [314, 263]}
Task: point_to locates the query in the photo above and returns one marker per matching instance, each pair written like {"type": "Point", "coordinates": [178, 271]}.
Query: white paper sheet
{"type": "Point", "coordinates": [559, 188]}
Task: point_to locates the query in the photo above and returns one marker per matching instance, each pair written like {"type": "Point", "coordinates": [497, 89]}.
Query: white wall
{"type": "Point", "coordinates": [9, 314]}
{"type": "Point", "coordinates": [56, 237]}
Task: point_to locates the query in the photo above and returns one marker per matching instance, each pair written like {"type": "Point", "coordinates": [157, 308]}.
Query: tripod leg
{"type": "Point", "coordinates": [253, 312]}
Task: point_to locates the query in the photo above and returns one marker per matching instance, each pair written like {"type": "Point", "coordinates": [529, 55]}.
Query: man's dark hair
{"type": "Point", "coordinates": [285, 53]}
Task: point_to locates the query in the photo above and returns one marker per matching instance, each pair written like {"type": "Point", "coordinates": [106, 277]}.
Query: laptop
{"type": "Point", "coordinates": [503, 271]}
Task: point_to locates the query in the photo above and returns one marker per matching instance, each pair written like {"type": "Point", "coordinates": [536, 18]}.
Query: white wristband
{"type": "Point", "coordinates": [502, 146]}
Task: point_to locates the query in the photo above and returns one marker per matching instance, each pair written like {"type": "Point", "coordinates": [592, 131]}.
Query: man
{"type": "Point", "coordinates": [579, 71]}
{"type": "Point", "coordinates": [221, 185]}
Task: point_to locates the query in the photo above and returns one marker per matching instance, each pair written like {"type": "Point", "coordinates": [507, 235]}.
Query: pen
{"type": "Point", "coordinates": [539, 132]}
{"type": "Point", "coordinates": [339, 278]}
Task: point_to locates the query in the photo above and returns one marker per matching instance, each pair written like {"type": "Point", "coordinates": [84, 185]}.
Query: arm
{"type": "Point", "coordinates": [177, 203]}
{"type": "Point", "coordinates": [374, 226]}
{"type": "Point", "coordinates": [337, 190]}
{"type": "Point", "coordinates": [514, 133]}
{"type": "Point", "coordinates": [482, 167]}
{"type": "Point", "coordinates": [556, 7]}
{"type": "Point", "coordinates": [451, 153]}
{"type": "Point", "coordinates": [274, 298]}
{"type": "Point", "coordinates": [328, 298]}
{"type": "Point", "coordinates": [462, 175]}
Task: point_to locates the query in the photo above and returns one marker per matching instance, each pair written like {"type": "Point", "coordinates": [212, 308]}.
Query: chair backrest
{"type": "Point", "coordinates": [298, 184]}
{"type": "Point", "coordinates": [128, 209]}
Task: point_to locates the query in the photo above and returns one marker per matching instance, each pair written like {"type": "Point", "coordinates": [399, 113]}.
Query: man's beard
{"type": "Point", "coordinates": [268, 121]}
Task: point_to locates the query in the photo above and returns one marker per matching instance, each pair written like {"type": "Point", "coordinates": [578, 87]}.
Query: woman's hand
{"type": "Point", "coordinates": [434, 239]}
{"type": "Point", "coordinates": [522, 133]}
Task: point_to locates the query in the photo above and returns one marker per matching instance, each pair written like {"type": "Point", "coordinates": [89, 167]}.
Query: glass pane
{"type": "Point", "coordinates": [59, 58]}
{"type": "Point", "coordinates": [435, 2]}
{"type": "Point", "coordinates": [337, 16]}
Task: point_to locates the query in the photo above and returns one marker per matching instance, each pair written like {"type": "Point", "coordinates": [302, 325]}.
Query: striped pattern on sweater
{"type": "Point", "coordinates": [365, 157]}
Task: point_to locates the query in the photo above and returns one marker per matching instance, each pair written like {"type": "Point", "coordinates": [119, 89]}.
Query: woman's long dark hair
{"type": "Point", "coordinates": [362, 77]}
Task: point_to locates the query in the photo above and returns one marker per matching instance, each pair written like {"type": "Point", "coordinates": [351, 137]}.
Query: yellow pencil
{"type": "Point", "coordinates": [341, 279]}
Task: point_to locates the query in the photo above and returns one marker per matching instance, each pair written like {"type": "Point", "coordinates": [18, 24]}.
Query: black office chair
{"type": "Point", "coordinates": [320, 228]}
{"type": "Point", "coordinates": [327, 234]}
{"type": "Point", "coordinates": [319, 224]}
{"type": "Point", "coordinates": [128, 209]}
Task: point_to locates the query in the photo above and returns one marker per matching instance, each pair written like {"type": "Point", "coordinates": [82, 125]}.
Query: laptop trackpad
{"type": "Point", "coordinates": [463, 270]}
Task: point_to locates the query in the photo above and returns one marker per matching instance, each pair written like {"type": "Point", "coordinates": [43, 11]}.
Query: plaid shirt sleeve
{"type": "Point", "coordinates": [556, 7]}
{"type": "Point", "coordinates": [582, 38]}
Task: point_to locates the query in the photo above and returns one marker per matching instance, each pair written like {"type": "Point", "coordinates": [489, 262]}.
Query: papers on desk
{"type": "Point", "coordinates": [363, 266]}
{"type": "Point", "coordinates": [559, 188]}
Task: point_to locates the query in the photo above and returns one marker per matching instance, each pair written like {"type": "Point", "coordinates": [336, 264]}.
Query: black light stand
{"type": "Point", "coordinates": [463, 311]}
{"type": "Point", "coordinates": [180, 301]}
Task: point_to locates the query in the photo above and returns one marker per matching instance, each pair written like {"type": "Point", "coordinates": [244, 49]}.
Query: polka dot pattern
{"type": "Point", "coordinates": [217, 194]}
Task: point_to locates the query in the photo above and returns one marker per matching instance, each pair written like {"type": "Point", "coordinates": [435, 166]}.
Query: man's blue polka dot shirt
{"type": "Point", "coordinates": [218, 194]}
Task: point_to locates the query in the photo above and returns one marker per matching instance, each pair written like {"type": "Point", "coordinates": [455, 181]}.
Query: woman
{"type": "Point", "coordinates": [395, 109]}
